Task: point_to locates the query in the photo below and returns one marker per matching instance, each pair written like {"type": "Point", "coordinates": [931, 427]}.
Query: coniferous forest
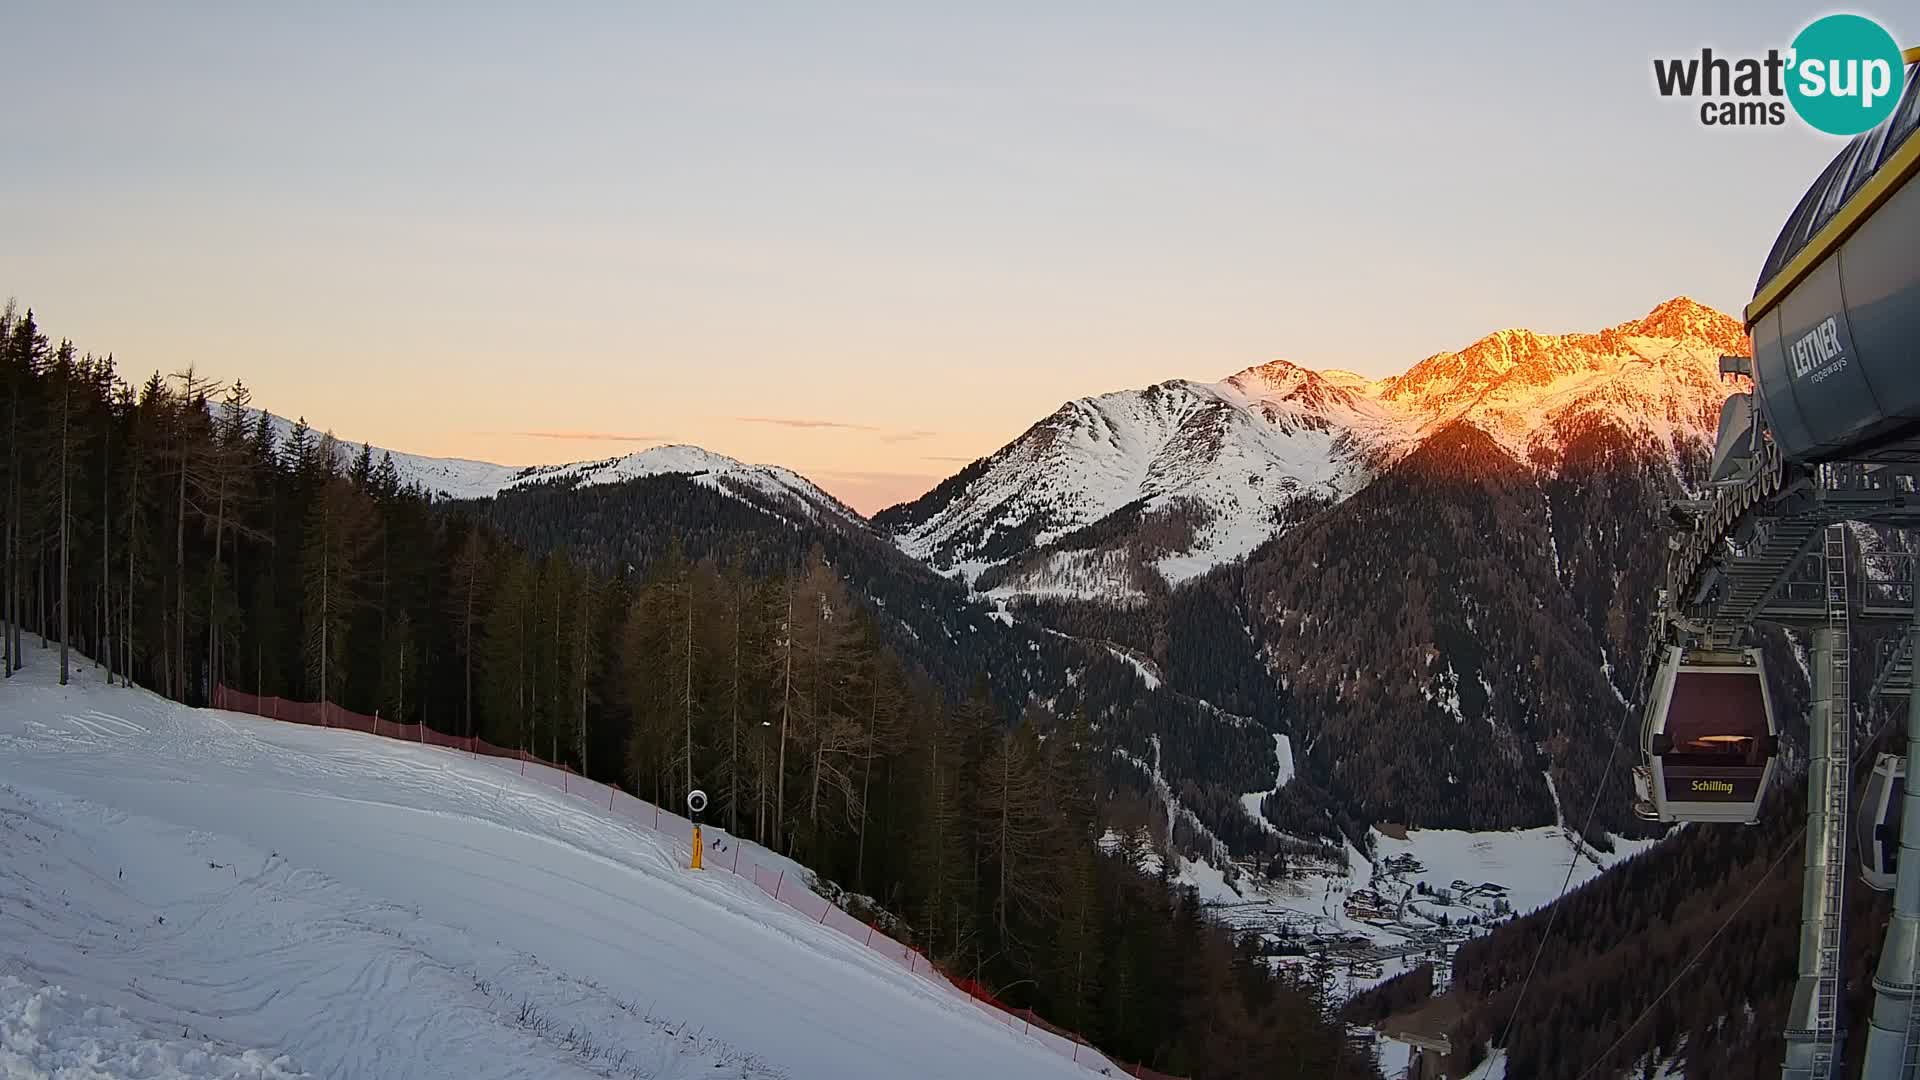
{"type": "Point", "coordinates": [162, 530]}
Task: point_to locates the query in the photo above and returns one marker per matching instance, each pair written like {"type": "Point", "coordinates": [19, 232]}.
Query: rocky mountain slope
{"type": "Point", "coordinates": [1117, 497]}
{"type": "Point", "coordinates": [1439, 610]}
{"type": "Point", "coordinates": [1427, 582]}
{"type": "Point", "coordinates": [1191, 474]}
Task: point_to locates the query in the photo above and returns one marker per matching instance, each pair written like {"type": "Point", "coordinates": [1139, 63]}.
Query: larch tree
{"type": "Point", "coordinates": [467, 600]}
{"type": "Point", "coordinates": [339, 534]}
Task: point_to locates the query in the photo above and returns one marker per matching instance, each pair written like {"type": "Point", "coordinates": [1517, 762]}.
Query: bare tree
{"type": "Point", "coordinates": [339, 535]}
{"type": "Point", "coordinates": [733, 710]}
{"type": "Point", "coordinates": [583, 658]}
{"type": "Point", "coordinates": [225, 478]}
{"type": "Point", "coordinates": [63, 370]}
{"type": "Point", "coordinates": [469, 570]}
{"type": "Point", "coordinates": [1019, 826]}
{"type": "Point", "coordinates": [188, 455]}
{"type": "Point", "coordinates": [786, 716]}
{"type": "Point", "coordinates": [885, 705]}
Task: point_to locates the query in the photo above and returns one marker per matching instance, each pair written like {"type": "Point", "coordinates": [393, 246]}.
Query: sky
{"type": "Point", "coordinates": [869, 242]}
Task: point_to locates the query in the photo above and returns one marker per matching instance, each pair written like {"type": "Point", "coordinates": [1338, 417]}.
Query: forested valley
{"type": "Point", "coordinates": [162, 531]}
{"type": "Point", "coordinates": [1686, 951]}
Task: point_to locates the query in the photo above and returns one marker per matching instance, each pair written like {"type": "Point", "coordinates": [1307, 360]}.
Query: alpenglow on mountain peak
{"type": "Point", "coordinates": [1210, 471]}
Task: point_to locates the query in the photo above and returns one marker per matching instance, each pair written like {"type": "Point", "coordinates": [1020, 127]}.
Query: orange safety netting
{"type": "Point", "coordinates": [771, 880]}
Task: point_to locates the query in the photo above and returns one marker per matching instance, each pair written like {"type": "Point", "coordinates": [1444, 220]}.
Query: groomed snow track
{"type": "Point", "coordinates": [214, 894]}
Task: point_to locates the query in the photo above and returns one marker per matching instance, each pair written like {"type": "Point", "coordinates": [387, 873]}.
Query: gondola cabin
{"type": "Point", "coordinates": [1878, 821]}
{"type": "Point", "coordinates": [1709, 736]}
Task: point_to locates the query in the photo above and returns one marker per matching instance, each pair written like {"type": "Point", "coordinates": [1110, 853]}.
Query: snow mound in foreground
{"type": "Point", "coordinates": [47, 1032]}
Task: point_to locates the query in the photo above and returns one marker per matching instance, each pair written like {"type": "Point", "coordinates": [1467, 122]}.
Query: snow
{"type": "Point", "coordinates": [1393, 1055]}
{"type": "Point", "coordinates": [47, 1032]}
{"type": "Point", "coordinates": [1146, 673]}
{"type": "Point", "coordinates": [449, 478]}
{"type": "Point", "coordinates": [1529, 863]}
{"type": "Point", "coordinates": [716, 471]}
{"type": "Point", "coordinates": [1208, 881]}
{"type": "Point", "coordinates": [212, 884]}
{"type": "Point", "coordinates": [1233, 456]}
{"type": "Point", "coordinates": [1106, 575]}
{"type": "Point", "coordinates": [1230, 454]}
{"type": "Point", "coordinates": [458, 478]}
{"type": "Point", "coordinates": [1283, 757]}
{"type": "Point", "coordinates": [1494, 1068]}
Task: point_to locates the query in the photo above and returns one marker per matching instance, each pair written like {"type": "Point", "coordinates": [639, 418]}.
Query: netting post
{"type": "Point", "coordinates": [781, 881]}
{"type": "Point", "coordinates": [869, 941]}
{"type": "Point", "coordinates": [736, 855]}
{"type": "Point", "coordinates": [611, 791]}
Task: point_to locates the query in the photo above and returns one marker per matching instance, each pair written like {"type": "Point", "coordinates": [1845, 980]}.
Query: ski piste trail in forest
{"type": "Point", "coordinates": [191, 893]}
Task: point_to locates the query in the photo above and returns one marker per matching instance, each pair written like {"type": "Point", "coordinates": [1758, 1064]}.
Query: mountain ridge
{"type": "Point", "coordinates": [767, 486]}
{"type": "Point", "coordinates": [1204, 473]}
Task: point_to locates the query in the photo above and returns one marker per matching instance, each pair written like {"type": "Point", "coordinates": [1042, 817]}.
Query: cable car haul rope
{"type": "Point", "coordinates": [1834, 402]}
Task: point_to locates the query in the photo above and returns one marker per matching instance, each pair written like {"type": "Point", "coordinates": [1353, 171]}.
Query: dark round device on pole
{"type": "Point", "coordinates": [696, 805]}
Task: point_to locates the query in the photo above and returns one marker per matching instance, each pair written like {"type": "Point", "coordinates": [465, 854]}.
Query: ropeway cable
{"type": "Point", "coordinates": [1735, 913]}
{"type": "Point", "coordinates": [1553, 911]}
{"type": "Point", "coordinates": [1695, 958]}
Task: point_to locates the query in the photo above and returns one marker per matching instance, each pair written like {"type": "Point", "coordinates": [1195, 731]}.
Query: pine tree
{"type": "Point", "coordinates": [339, 533]}
{"type": "Point", "coordinates": [227, 489]}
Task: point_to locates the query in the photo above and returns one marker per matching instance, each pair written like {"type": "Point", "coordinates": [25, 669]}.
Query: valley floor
{"type": "Point", "coordinates": [192, 893]}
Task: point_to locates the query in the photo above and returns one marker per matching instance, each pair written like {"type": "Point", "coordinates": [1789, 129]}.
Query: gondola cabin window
{"type": "Point", "coordinates": [1717, 719]}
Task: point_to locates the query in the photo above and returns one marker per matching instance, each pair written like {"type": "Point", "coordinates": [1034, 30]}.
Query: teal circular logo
{"type": "Point", "coordinates": [1845, 74]}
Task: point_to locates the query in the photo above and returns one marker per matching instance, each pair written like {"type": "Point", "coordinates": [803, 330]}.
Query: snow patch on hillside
{"type": "Point", "coordinates": [1529, 863]}
{"type": "Point", "coordinates": [1283, 758]}
{"type": "Point", "coordinates": [457, 478]}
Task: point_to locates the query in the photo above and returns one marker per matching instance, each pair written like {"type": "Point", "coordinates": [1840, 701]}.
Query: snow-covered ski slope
{"type": "Point", "coordinates": [214, 894]}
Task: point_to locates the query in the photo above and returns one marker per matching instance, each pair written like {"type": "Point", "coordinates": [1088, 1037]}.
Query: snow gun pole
{"type": "Point", "coordinates": [696, 803]}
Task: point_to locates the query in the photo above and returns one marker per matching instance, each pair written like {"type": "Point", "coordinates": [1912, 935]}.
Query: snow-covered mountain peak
{"type": "Point", "coordinates": [1192, 474]}
{"type": "Point", "coordinates": [1684, 319]}
{"type": "Point", "coordinates": [784, 487]}
{"type": "Point", "coordinates": [768, 486]}
{"type": "Point", "coordinates": [1284, 381]}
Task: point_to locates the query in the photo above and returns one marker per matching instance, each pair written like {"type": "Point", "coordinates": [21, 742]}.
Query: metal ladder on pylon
{"type": "Point", "coordinates": [1826, 1052]}
{"type": "Point", "coordinates": [1910, 1042]}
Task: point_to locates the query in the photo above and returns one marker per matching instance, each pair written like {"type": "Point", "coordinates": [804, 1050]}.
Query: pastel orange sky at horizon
{"type": "Point", "coordinates": [867, 245]}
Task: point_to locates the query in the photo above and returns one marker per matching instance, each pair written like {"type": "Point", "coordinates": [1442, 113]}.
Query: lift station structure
{"type": "Point", "coordinates": [1813, 484]}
